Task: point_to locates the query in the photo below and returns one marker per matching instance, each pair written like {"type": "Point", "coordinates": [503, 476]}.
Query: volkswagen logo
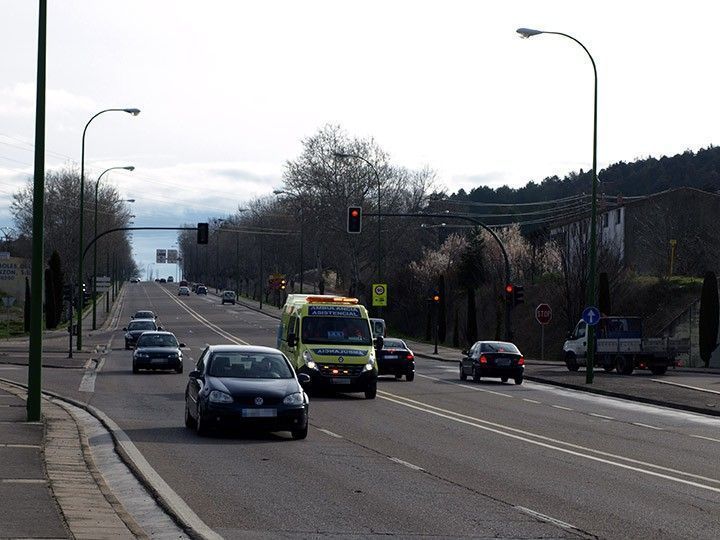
{"type": "Point", "coordinates": [259, 401]}
{"type": "Point", "coordinates": [341, 359]}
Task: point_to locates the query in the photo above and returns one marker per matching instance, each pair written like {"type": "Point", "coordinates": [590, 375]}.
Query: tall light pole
{"type": "Point", "coordinates": [257, 214]}
{"type": "Point", "coordinates": [218, 223]}
{"type": "Point", "coordinates": [81, 299]}
{"type": "Point", "coordinates": [302, 227]}
{"type": "Point", "coordinates": [591, 293]}
{"type": "Point", "coordinates": [94, 289]}
{"type": "Point", "coordinates": [343, 155]}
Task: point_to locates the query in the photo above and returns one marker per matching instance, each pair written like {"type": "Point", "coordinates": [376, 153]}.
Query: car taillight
{"type": "Point", "coordinates": [483, 359]}
{"type": "Point", "coordinates": [521, 362]}
{"type": "Point", "coordinates": [410, 357]}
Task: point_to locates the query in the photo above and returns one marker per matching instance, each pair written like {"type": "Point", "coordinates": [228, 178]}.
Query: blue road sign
{"type": "Point", "coordinates": [591, 315]}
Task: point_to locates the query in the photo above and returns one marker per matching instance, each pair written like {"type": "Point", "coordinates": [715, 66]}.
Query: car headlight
{"type": "Point", "coordinates": [371, 358]}
{"type": "Point", "coordinates": [216, 396]}
{"type": "Point", "coordinates": [369, 366]}
{"type": "Point", "coordinates": [293, 399]}
{"type": "Point", "coordinates": [141, 355]}
{"type": "Point", "coordinates": [173, 355]}
{"type": "Point", "coordinates": [307, 356]}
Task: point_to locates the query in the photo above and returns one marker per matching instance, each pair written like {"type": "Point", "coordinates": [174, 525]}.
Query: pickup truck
{"type": "Point", "coordinates": [620, 346]}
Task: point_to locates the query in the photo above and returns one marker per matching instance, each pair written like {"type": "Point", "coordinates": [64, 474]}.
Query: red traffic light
{"type": "Point", "coordinates": [436, 298]}
{"type": "Point", "coordinates": [354, 212]}
{"type": "Point", "coordinates": [509, 288]}
{"type": "Point", "coordinates": [354, 219]}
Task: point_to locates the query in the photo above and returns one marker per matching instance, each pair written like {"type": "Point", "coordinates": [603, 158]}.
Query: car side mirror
{"type": "Point", "coordinates": [195, 374]}
{"type": "Point", "coordinates": [379, 342]}
{"type": "Point", "coordinates": [304, 379]}
{"type": "Point", "coordinates": [465, 352]}
{"type": "Point", "coordinates": [125, 329]}
{"type": "Point", "coordinates": [160, 327]}
{"type": "Point", "coordinates": [291, 340]}
{"type": "Point", "coordinates": [182, 345]}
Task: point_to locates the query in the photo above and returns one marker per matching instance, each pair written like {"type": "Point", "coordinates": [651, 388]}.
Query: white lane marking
{"type": "Point", "coordinates": [328, 432]}
{"type": "Point", "coordinates": [687, 386]}
{"type": "Point", "coordinates": [23, 481]}
{"type": "Point", "coordinates": [9, 368]}
{"type": "Point", "coordinates": [4, 445]}
{"type": "Point", "coordinates": [87, 384]}
{"type": "Point", "coordinates": [406, 464]}
{"type": "Point", "coordinates": [461, 385]}
{"type": "Point", "coordinates": [546, 518]}
{"type": "Point", "coordinates": [561, 407]}
{"type": "Point", "coordinates": [647, 426]}
{"type": "Point", "coordinates": [519, 434]}
{"type": "Point", "coordinates": [705, 438]}
{"type": "Point", "coordinates": [596, 415]}
{"type": "Point", "coordinates": [532, 401]}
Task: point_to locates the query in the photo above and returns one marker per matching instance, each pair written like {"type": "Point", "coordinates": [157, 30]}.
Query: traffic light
{"type": "Point", "coordinates": [354, 219]}
{"type": "Point", "coordinates": [509, 294]}
{"type": "Point", "coordinates": [518, 295]}
{"type": "Point", "coordinates": [435, 297]}
{"type": "Point", "coordinates": [202, 233]}
{"type": "Point", "coordinates": [283, 284]}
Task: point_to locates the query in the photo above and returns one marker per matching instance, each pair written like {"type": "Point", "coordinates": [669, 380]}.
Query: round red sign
{"type": "Point", "coordinates": [543, 314]}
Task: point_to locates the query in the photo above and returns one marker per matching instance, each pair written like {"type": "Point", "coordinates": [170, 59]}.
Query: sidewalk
{"type": "Point", "coordinates": [639, 387]}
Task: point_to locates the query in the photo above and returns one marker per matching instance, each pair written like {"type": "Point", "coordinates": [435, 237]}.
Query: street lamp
{"type": "Point", "coordinates": [527, 33]}
{"type": "Point", "coordinates": [218, 222]}
{"type": "Point", "coordinates": [302, 226]}
{"type": "Point", "coordinates": [81, 246]}
{"type": "Point", "coordinates": [343, 155]}
{"type": "Point", "coordinates": [94, 289]}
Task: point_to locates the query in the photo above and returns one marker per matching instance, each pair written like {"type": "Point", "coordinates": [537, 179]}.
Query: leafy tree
{"type": "Point", "coordinates": [442, 323]}
{"type": "Point", "coordinates": [604, 294]}
{"type": "Point", "coordinates": [709, 315]}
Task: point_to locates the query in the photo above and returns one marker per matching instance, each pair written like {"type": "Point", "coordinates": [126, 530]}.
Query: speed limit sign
{"type": "Point", "coordinates": [379, 294]}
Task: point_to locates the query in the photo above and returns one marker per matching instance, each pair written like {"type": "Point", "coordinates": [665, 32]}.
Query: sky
{"type": "Point", "coordinates": [228, 90]}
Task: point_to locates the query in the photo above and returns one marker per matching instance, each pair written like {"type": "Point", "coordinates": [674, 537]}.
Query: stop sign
{"type": "Point", "coordinates": [543, 314]}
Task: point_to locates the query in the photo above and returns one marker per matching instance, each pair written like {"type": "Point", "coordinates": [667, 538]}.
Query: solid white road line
{"type": "Point", "coordinates": [328, 432]}
{"type": "Point", "coordinates": [705, 438]}
{"type": "Point", "coordinates": [20, 445]}
{"type": "Point", "coordinates": [582, 452]}
{"type": "Point", "coordinates": [686, 386]}
{"type": "Point", "coordinates": [532, 401]}
{"type": "Point", "coordinates": [596, 415]}
{"type": "Point", "coordinates": [647, 426]}
{"type": "Point", "coordinates": [406, 464]}
{"type": "Point", "coordinates": [23, 481]}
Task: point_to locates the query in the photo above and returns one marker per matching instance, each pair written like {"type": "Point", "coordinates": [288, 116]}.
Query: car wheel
{"type": "Point", "coordinates": [409, 377]}
{"type": "Point", "coordinates": [476, 375]}
{"type": "Point", "coordinates": [299, 434]}
{"type": "Point", "coordinates": [200, 427]}
{"type": "Point", "coordinates": [518, 380]}
{"type": "Point", "coordinates": [398, 376]}
{"type": "Point", "coordinates": [624, 365]}
{"type": "Point", "coordinates": [189, 420]}
{"type": "Point", "coordinates": [136, 369]}
{"type": "Point", "coordinates": [463, 375]}
{"type": "Point", "coordinates": [179, 369]}
{"type": "Point", "coordinates": [504, 379]}
{"type": "Point", "coordinates": [571, 362]}
{"type": "Point", "coordinates": [127, 347]}
{"type": "Point", "coordinates": [371, 392]}
{"type": "Point", "coordinates": [658, 370]}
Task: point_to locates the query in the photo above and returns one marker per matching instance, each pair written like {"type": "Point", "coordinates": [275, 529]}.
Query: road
{"type": "Point", "coordinates": [431, 458]}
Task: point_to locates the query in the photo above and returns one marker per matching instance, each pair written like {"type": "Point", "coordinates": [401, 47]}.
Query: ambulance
{"type": "Point", "coordinates": [329, 338]}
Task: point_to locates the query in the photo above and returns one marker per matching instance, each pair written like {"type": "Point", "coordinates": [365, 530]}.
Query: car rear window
{"type": "Point", "coordinates": [497, 346]}
{"type": "Point", "coordinates": [157, 340]}
{"type": "Point", "coordinates": [393, 344]}
{"type": "Point", "coordinates": [142, 325]}
{"type": "Point", "coordinates": [249, 366]}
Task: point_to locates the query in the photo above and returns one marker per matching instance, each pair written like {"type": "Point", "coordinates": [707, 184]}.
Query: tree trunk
{"type": "Point", "coordinates": [471, 332]}
{"type": "Point", "coordinates": [456, 331]}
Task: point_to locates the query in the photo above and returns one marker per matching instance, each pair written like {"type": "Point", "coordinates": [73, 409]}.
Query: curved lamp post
{"type": "Point", "coordinates": [134, 112]}
{"type": "Point", "coordinates": [97, 185]}
{"type": "Point", "coordinates": [343, 155]}
{"type": "Point", "coordinates": [527, 33]}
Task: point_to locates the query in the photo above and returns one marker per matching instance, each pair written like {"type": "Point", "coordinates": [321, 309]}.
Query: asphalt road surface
{"type": "Point", "coordinates": [434, 458]}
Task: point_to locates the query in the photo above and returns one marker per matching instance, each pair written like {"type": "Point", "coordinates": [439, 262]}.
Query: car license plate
{"type": "Point", "coordinates": [391, 356]}
{"type": "Point", "coordinates": [502, 362]}
{"type": "Point", "coordinates": [158, 360]}
{"type": "Point", "coordinates": [341, 380]}
{"type": "Point", "coordinates": [259, 413]}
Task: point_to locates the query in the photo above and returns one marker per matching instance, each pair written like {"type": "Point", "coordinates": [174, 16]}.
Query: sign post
{"type": "Point", "coordinates": [379, 297]}
{"type": "Point", "coordinates": [543, 315]}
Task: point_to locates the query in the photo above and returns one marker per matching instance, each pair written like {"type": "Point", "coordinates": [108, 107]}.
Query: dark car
{"type": "Point", "coordinates": [158, 350]}
{"type": "Point", "coordinates": [493, 359]}
{"type": "Point", "coordinates": [144, 314]}
{"type": "Point", "coordinates": [136, 327]}
{"type": "Point", "coordinates": [246, 386]}
{"type": "Point", "coordinates": [201, 289]}
{"type": "Point", "coordinates": [395, 358]}
{"type": "Point", "coordinates": [162, 280]}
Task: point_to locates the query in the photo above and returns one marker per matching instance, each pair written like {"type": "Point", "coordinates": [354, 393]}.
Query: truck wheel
{"type": "Point", "coordinates": [571, 362]}
{"type": "Point", "coordinates": [658, 370]}
{"type": "Point", "coordinates": [624, 365]}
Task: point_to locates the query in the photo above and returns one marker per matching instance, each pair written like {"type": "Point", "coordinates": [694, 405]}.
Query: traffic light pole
{"type": "Point", "coordinates": [508, 273]}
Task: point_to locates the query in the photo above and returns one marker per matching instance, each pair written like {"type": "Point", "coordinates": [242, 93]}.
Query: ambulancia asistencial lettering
{"type": "Point", "coordinates": [340, 352]}
{"type": "Point", "coordinates": [333, 311]}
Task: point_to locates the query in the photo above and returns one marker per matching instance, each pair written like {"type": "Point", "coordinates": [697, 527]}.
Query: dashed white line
{"type": "Point", "coordinates": [705, 438]}
{"type": "Point", "coordinates": [532, 401]}
{"type": "Point", "coordinates": [328, 432]}
{"type": "Point", "coordinates": [596, 415]}
{"type": "Point", "coordinates": [478, 389]}
{"type": "Point", "coordinates": [561, 407]}
{"type": "Point", "coordinates": [23, 481]}
{"type": "Point", "coordinates": [4, 445]}
{"type": "Point", "coordinates": [648, 426]}
{"type": "Point", "coordinates": [406, 464]}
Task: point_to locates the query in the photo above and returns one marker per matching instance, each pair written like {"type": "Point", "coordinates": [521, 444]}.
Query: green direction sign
{"type": "Point", "coordinates": [379, 297]}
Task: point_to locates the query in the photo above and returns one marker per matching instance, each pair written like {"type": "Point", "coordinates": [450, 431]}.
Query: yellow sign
{"type": "Point", "coordinates": [379, 296]}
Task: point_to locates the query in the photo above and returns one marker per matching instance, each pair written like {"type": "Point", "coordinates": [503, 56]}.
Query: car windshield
{"type": "Point", "coordinates": [228, 293]}
{"type": "Point", "coordinates": [393, 344]}
{"type": "Point", "coordinates": [499, 346]}
{"type": "Point", "coordinates": [144, 315]}
{"type": "Point", "coordinates": [157, 340]}
{"type": "Point", "coordinates": [142, 325]}
{"type": "Point", "coordinates": [336, 330]}
{"type": "Point", "coordinates": [250, 365]}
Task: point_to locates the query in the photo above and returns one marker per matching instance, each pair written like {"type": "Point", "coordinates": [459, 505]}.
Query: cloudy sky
{"type": "Point", "coordinates": [228, 89]}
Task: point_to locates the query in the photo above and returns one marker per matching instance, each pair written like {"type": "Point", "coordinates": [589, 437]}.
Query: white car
{"type": "Point", "coordinates": [183, 291]}
{"type": "Point", "coordinates": [228, 296]}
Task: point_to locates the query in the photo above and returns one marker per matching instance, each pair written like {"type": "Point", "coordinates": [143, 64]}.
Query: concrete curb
{"type": "Point", "coordinates": [165, 496]}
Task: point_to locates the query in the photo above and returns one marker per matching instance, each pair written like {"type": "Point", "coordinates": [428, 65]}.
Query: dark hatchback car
{"type": "Point", "coordinates": [144, 314]}
{"type": "Point", "coordinates": [136, 327]}
{"type": "Point", "coordinates": [201, 289]}
{"type": "Point", "coordinates": [246, 386]}
{"type": "Point", "coordinates": [158, 350]}
{"type": "Point", "coordinates": [395, 358]}
{"type": "Point", "coordinates": [493, 359]}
